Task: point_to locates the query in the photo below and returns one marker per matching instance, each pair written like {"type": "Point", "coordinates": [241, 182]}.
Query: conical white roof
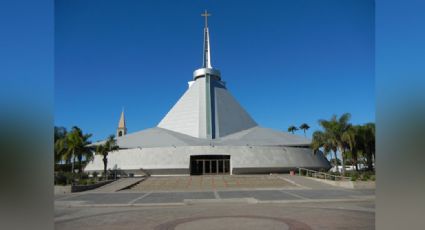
{"type": "Point", "coordinates": [207, 110]}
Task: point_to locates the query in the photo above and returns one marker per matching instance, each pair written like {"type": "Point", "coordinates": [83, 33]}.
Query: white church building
{"type": "Point", "coordinates": [208, 132]}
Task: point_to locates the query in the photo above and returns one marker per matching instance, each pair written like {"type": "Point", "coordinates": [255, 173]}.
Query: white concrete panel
{"type": "Point", "coordinates": [240, 157]}
{"type": "Point", "coordinates": [189, 114]}
{"type": "Point", "coordinates": [230, 116]}
{"type": "Point", "coordinates": [184, 116]}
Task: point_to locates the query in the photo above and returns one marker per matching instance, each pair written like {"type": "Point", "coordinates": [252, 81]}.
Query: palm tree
{"type": "Point", "coordinates": [369, 143]}
{"type": "Point", "coordinates": [76, 146]}
{"type": "Point", "coordinates": [84, 151]}
{"type": "Point", "coordinates": [102, 150]}
{"type": "Point", "coordinates": [72, 142]}
{"type": "Point", "coordinates": [335, 129]}
{"type": "Point", "coordinates": [342, 127]}
{"type": "Point", "coordinates": [304, 127]}
{"type": "Point", "coordinates": [349, 137]}
{"type": "Point", "coordinates": [110, 145]}
{"type": "Point", "coordinates": [328, 126]}
{"type": "Point", "coordinates": [323, 140]}
{"type": "Point", "coordinates": [292, 129]}
{"type": "Point", "coordinates": [320, 140]}
{"type": "Point", "coordinates": [59, 139]}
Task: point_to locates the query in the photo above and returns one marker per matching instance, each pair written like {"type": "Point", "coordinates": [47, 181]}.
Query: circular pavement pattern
{"type": "Point", "coordinates": [233, 222]}
{"type": "Point", "coordinates": [219, 216]}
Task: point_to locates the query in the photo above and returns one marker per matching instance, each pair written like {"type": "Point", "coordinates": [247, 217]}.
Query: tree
{"type": "Point", "coordinates": [369, 143]}
{"type": "Point", "coordinates": [77, 146]}
{"type": "Point", "coordinates": [59, 139]}
{"type": "Point", "coordinates": [321, 140]}
{"type": "Point", "coordinates": [110, 145]}
{"type": "Point", "coordinates": [350, 139]}
{"type": "Point", "coordinates": [304, 127]}
{"type": "Point", "coordinates": [335, 162]}
{"type": "Point", "coordinates": [85, 151]}
{"type": "Point", "coordinates": [59, 133]}
{"type": "Point", "coordinates": [72, 142]}
{"type": "Point", "coordinates": [324, 141]}
{"type": "Point", "coordinates": [335, 129]}
{"type": "Point", "coordinates": [102, 150]}
{"type": "Point", "coordinates": [292, 129]}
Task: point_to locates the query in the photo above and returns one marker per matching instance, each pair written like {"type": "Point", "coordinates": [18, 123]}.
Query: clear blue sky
{"type": "Point", "coordinates": [286, 62]}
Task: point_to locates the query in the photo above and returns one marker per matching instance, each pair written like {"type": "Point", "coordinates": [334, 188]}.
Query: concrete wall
{"type": "Point", "coordinates": [81, 188]}
{"type": "Point", "coordinates": [243, 159]}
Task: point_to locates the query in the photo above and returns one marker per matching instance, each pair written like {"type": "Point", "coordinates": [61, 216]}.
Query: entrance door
{"type": "Point", "coordinates": [209, 164]}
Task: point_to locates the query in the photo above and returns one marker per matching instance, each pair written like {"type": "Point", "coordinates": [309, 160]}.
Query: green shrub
{"type": "Point", "coordinates": [87, 181]}
{"type": "Point", "coordinates": [368, 175]}
{"type": "Point", "coordinates": [335, 174]}
{"type": "Point", "coordinates": [365, 177]}
{"type": "Point", "coordinates": [63, 178]}
{"type": "Point", "coordinates": [84, 176]}
{"type": "Point", "coordinates": [353, 174]}
{"type": "Point", "coordinates": [63, 167]}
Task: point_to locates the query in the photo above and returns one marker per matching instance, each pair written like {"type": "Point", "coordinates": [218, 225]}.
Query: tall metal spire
{"type": "Point", "coordinates": [206, 68]}
{"type": "Point", "coordinates": [207, 55]}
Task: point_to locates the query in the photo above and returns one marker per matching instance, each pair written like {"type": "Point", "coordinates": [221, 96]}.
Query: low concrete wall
{"type": "Point", "coordinates": [269, 170]}
{"type": "Point", "coordinates": [364, 184]}
{"type": "Point", "coordinates": [343, 184]}
{"type": "Point", "coordinates": [80, 188]}
{"type": "Point", "coordinates": [62, 189]}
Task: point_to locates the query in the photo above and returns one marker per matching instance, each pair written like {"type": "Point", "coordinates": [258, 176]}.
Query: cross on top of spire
{"type": "Point", "coordinates": [206, 15]}
{"type": "Point", "coordinates": [206, 65]}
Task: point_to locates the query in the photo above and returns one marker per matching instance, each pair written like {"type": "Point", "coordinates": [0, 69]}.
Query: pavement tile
{"type": "Point", "coordinates": [208, 182]}
{"type": "Point", "coordinates": [106, 198]}
{"type": "Point", "coordinates": [174, 197]}
{"type": "Point", "coordinates": [325, 194]}
{"type": "Point", "coordinates": [258, 194]}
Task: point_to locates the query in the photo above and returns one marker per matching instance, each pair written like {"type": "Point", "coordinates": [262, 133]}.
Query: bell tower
{"type": "Point", "coordinates": [122, 129]}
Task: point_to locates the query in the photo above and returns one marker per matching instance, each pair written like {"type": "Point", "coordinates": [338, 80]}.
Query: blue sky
{"type": "Point", "coordinates": [286, 62]}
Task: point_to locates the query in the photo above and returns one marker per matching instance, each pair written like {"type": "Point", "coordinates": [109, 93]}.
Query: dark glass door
{"type": "Point", "coordinates": [209, 164]}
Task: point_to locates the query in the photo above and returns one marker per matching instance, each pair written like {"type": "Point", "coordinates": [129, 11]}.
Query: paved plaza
{"type": "Point", "coordinates": [182, 198]}
{"type": "Point", "coordinates": [211, 182]}
{"type": "Point", "coordinates": [246, 202]}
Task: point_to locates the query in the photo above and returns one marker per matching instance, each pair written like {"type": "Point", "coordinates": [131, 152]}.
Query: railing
{"type": "Point", "coordinates": [321, 175]}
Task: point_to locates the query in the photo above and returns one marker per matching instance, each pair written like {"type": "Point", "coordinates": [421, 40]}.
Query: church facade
{"type": "Point", "coordinates": [208, 132]}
